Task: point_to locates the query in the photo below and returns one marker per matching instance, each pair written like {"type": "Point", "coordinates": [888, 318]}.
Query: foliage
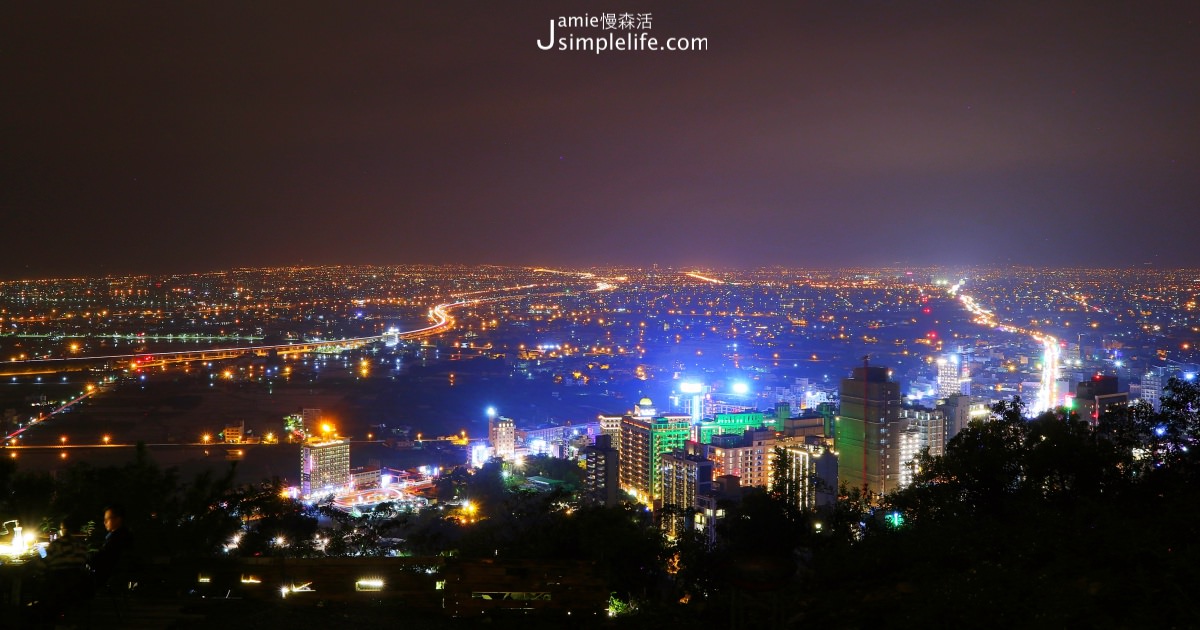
{"type": "Point", "coordinates": [1045, 522]}
{"type": "Point", "coordinates": [564, 470]}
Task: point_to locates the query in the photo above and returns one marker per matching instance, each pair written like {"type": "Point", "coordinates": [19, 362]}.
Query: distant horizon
{"type": "Point", "coordinates": [892, 267]}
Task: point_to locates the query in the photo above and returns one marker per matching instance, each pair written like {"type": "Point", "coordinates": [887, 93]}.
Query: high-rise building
{"type": "Point", "coordinates": [949, 375]}
{"type": "Point", "coordinates": [926, 430]}
{"type": "Point", "coordinates": [502, 435]}
{"type": "Point", "coordinates": [710, 506]}
{"type": "Point", "coordinates": [324, 466]}
{"type": "Point", "coordinates": [1157, 377]}
{"type": "Point", "coordinates": [1152, 386]}
{"type": "Point", "coordinates": [727, 423]}
{"type": "Point", "coordinates": [930, 427]}
{"type": "Point", "coordinates": [807, 423]}
{"type": "Point", "coordinates": [746, 455]}
{"type": "Point", "coordinates": [1096, 396]}
{"type": "Point", "coordinates": [810, 469]}
{"type": "Point", "coordinates": [601, 477]}
{"type": "Point", "coordinates": [684, 477]}
{"type": "Point", "coordinates": [691, 399]}
{"type": "Point", "coordinates": [644, 440]}
{"type": "Point", "coordinates": [867, 431]}
{"type": "Point", "coordinates": [611, 426]}
{"type": "Point", "coordinates": [957, 411]}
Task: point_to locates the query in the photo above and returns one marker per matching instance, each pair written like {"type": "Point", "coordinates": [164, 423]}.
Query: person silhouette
{"type": "Point", "coordinates": [117, 543]}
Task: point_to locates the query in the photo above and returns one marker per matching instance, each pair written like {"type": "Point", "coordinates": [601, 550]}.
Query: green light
{"type": "Point", "coordinates": [895, 519]}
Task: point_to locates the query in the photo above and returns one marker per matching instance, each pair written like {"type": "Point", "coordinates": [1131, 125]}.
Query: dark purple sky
{"type": "Point", "coordinates": [183, 136]}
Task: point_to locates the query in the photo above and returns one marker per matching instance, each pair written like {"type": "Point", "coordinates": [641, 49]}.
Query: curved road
{"type": "Point", "coordinates": [440, 316]}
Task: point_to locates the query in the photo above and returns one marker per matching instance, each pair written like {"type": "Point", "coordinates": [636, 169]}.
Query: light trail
{"type": "Point", "coordinates": [1047, 398]}
{"type": "Point", "coordinates": [578, 274]}
{"type": "Point", "coordinates": [43, 418]}
{"type": "Point", "coordinates": [440, 316]}
{"type": "Point", "coordinates": [441, 320]}
{"type": "Point", "coordinates": [697, 276]}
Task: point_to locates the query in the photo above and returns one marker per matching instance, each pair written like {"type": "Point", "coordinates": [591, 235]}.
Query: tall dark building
{"type": "Point", "coordinates": [867, 431]}
{"type": "Point", "coordinates": [1097, 396]}
{"type": "Point", "coordinates": [601, 480]}
{"type": "Point", "coordinates": [957, 409]}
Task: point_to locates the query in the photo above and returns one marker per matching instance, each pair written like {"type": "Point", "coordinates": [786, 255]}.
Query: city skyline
{"type": "Point", "coordinates": [181, 138]}
{"type": "Point", "coordinates": [419, 441]}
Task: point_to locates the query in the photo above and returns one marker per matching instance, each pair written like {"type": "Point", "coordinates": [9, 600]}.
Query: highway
{"type": "Point", "coordinates": [440, 316]}
{"type": "Point", "coordinates": [1048, 397]}
{"type": "Point", "coordinates": [91, 389]}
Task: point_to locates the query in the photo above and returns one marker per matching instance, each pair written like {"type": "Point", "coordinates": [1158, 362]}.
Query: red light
{"type": "Point", "coordinates": [932, 335]}
{"type": "Point", "coordinates": [927, 310]}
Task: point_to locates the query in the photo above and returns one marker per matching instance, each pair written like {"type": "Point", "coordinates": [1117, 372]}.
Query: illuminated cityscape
{"type": "Point", "coordinates": [399, 389]}
{"type": "Point", "coordinates": [770, 314]}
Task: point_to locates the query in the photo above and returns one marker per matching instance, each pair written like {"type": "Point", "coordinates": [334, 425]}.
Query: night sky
{"type": "Point", "coordinates": [189, 136]}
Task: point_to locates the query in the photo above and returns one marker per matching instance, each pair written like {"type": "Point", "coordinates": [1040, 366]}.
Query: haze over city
{"type": "Point", "coordinates": [182, 137]}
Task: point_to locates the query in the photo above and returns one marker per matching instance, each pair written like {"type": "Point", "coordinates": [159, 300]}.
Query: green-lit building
{"type": "Point", "coordinates": [867, 429]}
{"type": "Point", "coordinates": [644, 440]}
{"type": "Point", "coordinates": [726, 423]}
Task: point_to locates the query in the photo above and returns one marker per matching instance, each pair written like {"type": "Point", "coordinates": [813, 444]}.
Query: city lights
{"type": "Point", "coordinates": [369, 584]}
{"type": "Point", "coordinates": [817, 314]}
